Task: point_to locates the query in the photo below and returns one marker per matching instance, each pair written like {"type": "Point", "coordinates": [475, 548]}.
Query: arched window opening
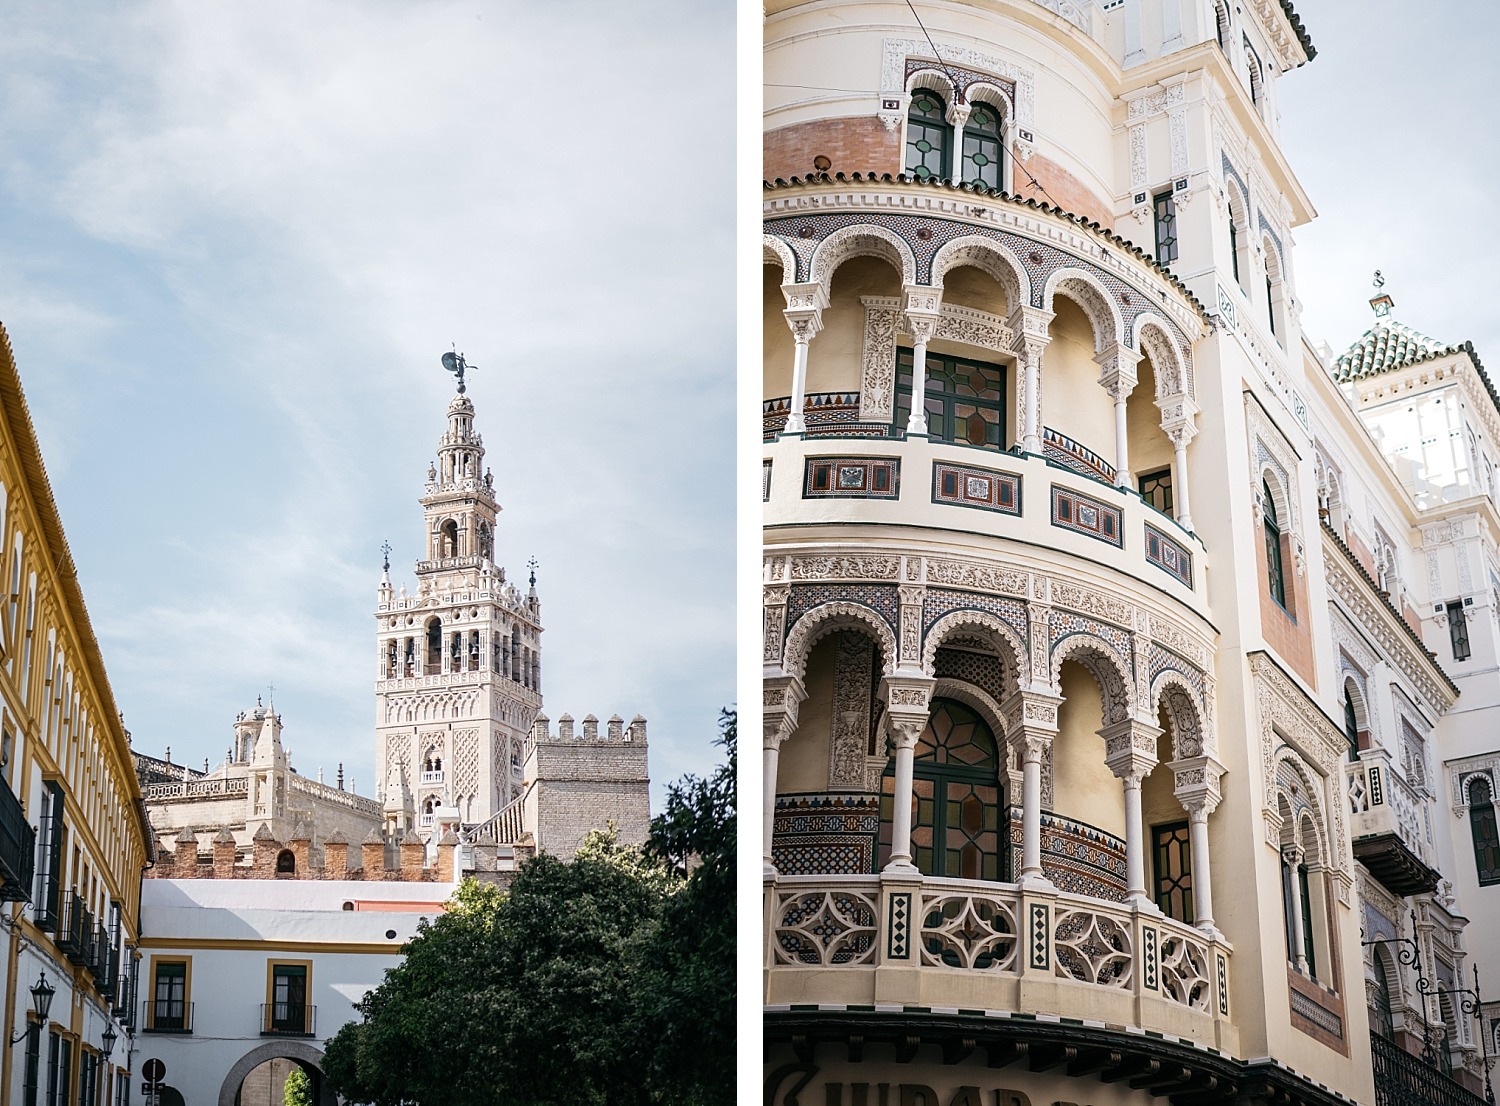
{"type": "Point", "coordinates": [982, 147]}
{"type": "Point", "coordinates": [1221, 24]}
{"type": "Point", "coordinates": [434, 662]}
{"type": "Point", "coordinates": [1382, 1022]}
{"type": "Point", "coordinates": [928, 136]}
{"type": "Point", "coordinates": [1257, 76]}
{"type": "Point", "coordinates": [449, 544]}
{"type": "Point", "coordinates": [965, 399]}
{"type": "Point", "coordinates": [1483, 830]}
{"type": "Point", "coordinates": [486, 542]}
{"type": "Point", "coordinates": [956, 823]}
{"type": "Point", "coordinates": [1358, 739]}
{"type": "Point", "coordinates": [1275, 573]}
{"type": "Point", "coordinates": [1296, 902]}
{"type": "Point", "coordinates": [1238, 224]}
{"type": "Point", "coordinates": [286, 863]}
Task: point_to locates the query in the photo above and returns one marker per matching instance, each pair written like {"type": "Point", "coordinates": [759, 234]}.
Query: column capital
{"type": "Point", "coordinates": [781, 698]}
{"type": "Point", "coordinates": [1178, 418]}
{"type": "Point", "coordinates": [1130, 747]}
{"type": "Point", "coordinates": [1119, 368]}
{"type": "Point", "coordinates": [905, 729]}
{"type": "Point", "coordinates": [804, 309]}
{"type": "Point", "coordinates": [1029, 324]}
{"type": "Point", "coordinates": [1196, 783]}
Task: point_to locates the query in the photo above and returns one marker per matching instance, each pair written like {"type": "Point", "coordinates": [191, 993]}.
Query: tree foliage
{"type": "Point", "coordinates": [297, 1090]}
{"type": "Point", "coordinates": [606, 980]}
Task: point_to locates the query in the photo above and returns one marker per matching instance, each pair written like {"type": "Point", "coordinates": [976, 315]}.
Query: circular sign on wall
{"type": "Point", "coordinates": [154, 1070]}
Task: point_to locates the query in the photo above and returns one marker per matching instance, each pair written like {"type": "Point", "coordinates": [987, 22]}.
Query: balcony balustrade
{"type": "Point", "coordinates": [1391, 832]}
{"type": "Point", "coordinates": [287, 1019]}
{"type": "Point", "coordinates": [951, 486]}
{"type": "Point", "coordinates": [75, 932]}
{"type": "Point", "coordinates": [993, 946]}
{"type": "Point", "coordinates": [167, 1016]}
{"type": "Point", "coordinates": [17, 849]}
{"type": "Point", "coordinates": [433, 777]}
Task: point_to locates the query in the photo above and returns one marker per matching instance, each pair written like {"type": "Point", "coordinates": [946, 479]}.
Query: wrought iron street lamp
{"type": "Point", "coordinates": [41, 1003]}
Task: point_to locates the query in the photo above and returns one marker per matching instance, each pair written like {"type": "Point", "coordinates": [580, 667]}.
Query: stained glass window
{"type": "Point", "coordinates": [956, 815]}
{"type": "Point", "coordinates": [1172, 852]}
{"type": "Point", "coordinates": [1275, 576]}
{"type": "Point", "coordinates": [965, 399]}
{"type": "Point", "coordinates": [928, 136]}
{"type": "Point", "coordinates": [1166, 227]}
{"type": "Point", "coordinates": [982, 147]}
{"type": "Point", "coordinates": [1156, 489]}
{"type": "Point", "coordinates": [1483, 829]}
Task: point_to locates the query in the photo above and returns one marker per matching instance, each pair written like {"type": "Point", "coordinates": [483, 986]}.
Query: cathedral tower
{"type": "Point", "coordinates": [459, 677]}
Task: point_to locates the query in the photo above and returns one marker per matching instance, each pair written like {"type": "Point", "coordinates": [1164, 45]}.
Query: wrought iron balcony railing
{"type": "Point", "coordinates": [287, 1019]}
{"type": "Point", "coordinates": [17, 849]}
{"type": "Point", "coordinates": [167, 1016]}
{"type": "Point", "coordinates": [1402, 1079]}
{"type": "Point", "coordinates": [75, 931]}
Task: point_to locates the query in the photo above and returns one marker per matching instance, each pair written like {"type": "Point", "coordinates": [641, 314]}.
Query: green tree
{"type": "Point", "coordinates": [576, 986]}
{"type": "Point", "coordinates": [298, 1089]}
{"type": "Point", "coordinates": [686, 993]}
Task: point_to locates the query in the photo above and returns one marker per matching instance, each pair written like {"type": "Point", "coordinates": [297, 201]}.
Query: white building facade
{"type": "Point", "coordinates": [1121, 739]}
{"type": "Point", "coordinates": [241, 979]}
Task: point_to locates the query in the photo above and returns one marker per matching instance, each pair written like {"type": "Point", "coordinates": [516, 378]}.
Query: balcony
{"type": "Point", "coordinates": [75, 931]}
{"type": "Point", "coordinates": [286, 1019]}
{"type": "Point", "coordinates": [1042, 501]}
{"type": "Point", "coordinates": [167, 1016]}
{"type": "Point", "coordinates": [993, 946]}
{"type": "Point", "coordinates": [1391, 833]}
{"type": "Point", "coordinates": [17, 849]}
{"type": "Point", "coordinates": [433, 777]}
{"type": "Point", "coordinates": [1402, 1079]}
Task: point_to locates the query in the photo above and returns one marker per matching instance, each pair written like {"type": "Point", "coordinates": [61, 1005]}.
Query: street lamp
{"type": "Point", "coordinates": [109, 1039]}
{"type": "Point", "coordinates": [41, 1002]}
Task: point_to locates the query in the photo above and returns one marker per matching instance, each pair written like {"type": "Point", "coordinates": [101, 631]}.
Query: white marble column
{"type": "Point", "coordinates": [773, 739]}
{"type": "Point", "coordinates": [1292, 856]}
{"type": "Point", "coordinates": [1178, 425]}
{"type": "Point", "coordinates": [1130, 752]}
{"type": "Point", "coordinates": [1031, 871]}
{"type": "Point", "coordinates": [804, 315]}
{"type": "Point", "coordinates": [1029, 325]}
{"type": "Point", "coordinates": [781, 697]}
{"type": "Point", "coordinates": [1118, 369]}
{"type": "Point", "coordinates": [905, 729]}
{"type": "Point", "coordinates": [1203, 898]}
{"type": "Point", "coordinates": [923, 308]}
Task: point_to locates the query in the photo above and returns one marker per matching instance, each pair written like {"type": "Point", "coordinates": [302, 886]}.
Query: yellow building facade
{"type": "Point", "coordinates": [73, 835]}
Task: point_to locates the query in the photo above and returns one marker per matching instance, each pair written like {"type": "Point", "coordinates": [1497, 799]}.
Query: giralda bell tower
{"type": "Point", "coordinates": [459, 679]}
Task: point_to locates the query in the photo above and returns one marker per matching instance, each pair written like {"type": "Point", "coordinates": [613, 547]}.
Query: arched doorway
{"type": "Point", "coordinates": [258, 1062]}
{"type": "Point", "coordinates": [956, 822]}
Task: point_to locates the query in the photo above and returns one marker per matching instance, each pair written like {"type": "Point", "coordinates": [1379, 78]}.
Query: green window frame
{"type": "Point", "coordinates": [1172, 856]}
{"type": "Point", "coordinates": [1156, 489]}
{"type": "Point", "coordinates": [965, 399]}
{"type": "Point", "coordinates": [1166, 227]}
{"type": "Point", "coordinates": [983, 147]}
{"type": "Point", "coordinates": [1275, 570]}
{"type": "Point", "coordinates": [289, 998]}
{"type": "Point", "coordinates": [929, 137]}
{"type": "Point", "coordinates": [1351, 725]}
{"type": "Point", "coordinates": [960, 827]}
{"type": "Point", "coordinates": [1483, 830]}
{"type": "Point", "coordinates": [169, 995]}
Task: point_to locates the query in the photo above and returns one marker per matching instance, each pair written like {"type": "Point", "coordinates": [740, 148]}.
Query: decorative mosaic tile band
{"type": "Point", "coordinates": [1308, 1009]}
{"type": "Point", "coordinates": [1076, 856]}
{"type": "Point", "coordinates": [974, 487]}
{"type": "Point", "coordinates": [1075, 457]}
{"type": "Point", "coordinates": [1041, 938]}
{"type": "Point", "coordinates": [1169, 555]}
{"type": "Point", "coordinates": [852, 478]}
{"type": "Point", "coordinates": [1086, 515]}
{"type": "Point", "coordinates": [899, 940]}
{"type": "Point", "coordinates": [820, 409]}
{"type": "Point", "coordinates": [825, 834]}
{"type": "Point", "coordinates": [1223, 974]}
{"type": "Point", "coordinates": [1149, 977]}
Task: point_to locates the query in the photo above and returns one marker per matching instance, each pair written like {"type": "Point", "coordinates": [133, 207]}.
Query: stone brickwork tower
{"type": "Point", "coordinates": [459, 676]}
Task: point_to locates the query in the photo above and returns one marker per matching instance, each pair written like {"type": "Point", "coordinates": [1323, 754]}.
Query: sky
{"type": "Point", "coordinates": [1391, 133]}
{"type": "Point", "coordinates": [235, 241]}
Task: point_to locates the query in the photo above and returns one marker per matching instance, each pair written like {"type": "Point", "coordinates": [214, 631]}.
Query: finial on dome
{"type": "Point", "coordinates": [533, 564]}
{"type": "Point", "coordinates": [385, 547]}
{"type": "Point", "coordinates": [1381, 302]}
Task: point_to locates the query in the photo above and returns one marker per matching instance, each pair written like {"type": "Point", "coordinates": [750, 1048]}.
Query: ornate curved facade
{"type": "Point", "coordinates": [1059, 805]}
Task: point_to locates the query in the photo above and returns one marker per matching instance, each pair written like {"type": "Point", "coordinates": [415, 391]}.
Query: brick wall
{"type": "Point", "coordinates": [1063, 190]}
{"type": "Point", "coordinates": [861, 145]}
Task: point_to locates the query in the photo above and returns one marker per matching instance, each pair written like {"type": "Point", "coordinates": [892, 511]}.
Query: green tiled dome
{"type": "Point", "coordinates": [1385, 347]}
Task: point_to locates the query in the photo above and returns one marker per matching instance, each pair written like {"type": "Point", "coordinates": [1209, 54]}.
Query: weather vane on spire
{"type": "Point", "coordinates": [1379, 281]}
{"type": "Point", "coordinates": [454, 362]}
{"type": "Point", "coordinates": [385, 547]}
{"type": "Point", "coordinates": [533, 564]}
{"type": "Point", "coordinates": [1381, 301]}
